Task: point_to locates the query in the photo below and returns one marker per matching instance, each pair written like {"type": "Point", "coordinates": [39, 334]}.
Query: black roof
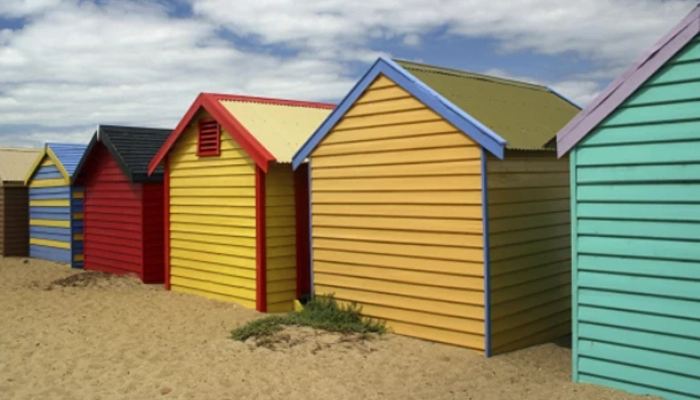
{"type": "Point", "coordinates": [133, 148]}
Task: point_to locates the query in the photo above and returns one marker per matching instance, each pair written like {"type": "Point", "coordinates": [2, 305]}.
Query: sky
{"type": "Point", "coordinates": [69, 65]}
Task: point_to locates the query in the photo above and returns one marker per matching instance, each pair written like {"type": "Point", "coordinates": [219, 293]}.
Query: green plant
{"type": "Point", "coordinates": [322, 312]}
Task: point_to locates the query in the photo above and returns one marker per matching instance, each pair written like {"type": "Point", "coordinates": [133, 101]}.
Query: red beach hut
{"type": "Point", "coordinates": [123, 213]}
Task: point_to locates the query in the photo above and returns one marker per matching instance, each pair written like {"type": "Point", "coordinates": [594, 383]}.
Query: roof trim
{"type": "Point", "coordinates": [567, 99]}
{"type": "Point", "coordinates": [456, 116]}
{"type": "Point", "coordinates": [211, 103]}
{"type": "Point", "coordinates": [628, 82]}
{"type": "Point", "coordinates": [47, 152]}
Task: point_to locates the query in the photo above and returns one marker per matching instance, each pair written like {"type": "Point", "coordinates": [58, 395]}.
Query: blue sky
{"type": "Point", "coordinates": [68, 65]}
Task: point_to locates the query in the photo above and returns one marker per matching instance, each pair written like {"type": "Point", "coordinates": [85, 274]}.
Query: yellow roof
{"type": "Point", "coordinates": [280, 127]}
{"type": "Point", "coordinates": [16, 162]}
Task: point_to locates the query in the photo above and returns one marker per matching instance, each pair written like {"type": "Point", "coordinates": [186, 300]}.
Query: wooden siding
{"type": "Point", "coordinates": [55, 216]}
{"type": "Point", "coordinates": [119, 218]}
{"type": "Point", "coordinates": [281, 238]}
{"type": "Point", "coordinates": [529, 249]}
{"type": "Point", "coordinates": [397, 218]}
{"type": "Point", "coordinates": [636, 251]}
{"type": "Point", "coordinates": [15, 221]}
{"type": "Point", "coordinates": [212, 220]}
{"type": "Point", "coordinates": [152, 225]}
{"type": "Point", "coordinates": [2, 221]}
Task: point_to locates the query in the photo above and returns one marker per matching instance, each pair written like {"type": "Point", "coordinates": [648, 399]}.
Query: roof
{"type": "Point", "coordinates": [269, 130]}
{"type": "Point", "coordinates": [67, 156]}
{"type": "Point", "coordinates": [527, 116]}
{"type": "Point", "coordinates": [628, 82]}
{"type": "Point", "coordinates": [132, 147]}
{"type": "Point", "coordinates": [496, 113]}
{"type": "Point", "coordinates": [16, 162]}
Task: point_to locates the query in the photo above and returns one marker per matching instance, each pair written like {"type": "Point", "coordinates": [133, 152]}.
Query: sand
{"type": "Point", "coordinates": [115, 338]}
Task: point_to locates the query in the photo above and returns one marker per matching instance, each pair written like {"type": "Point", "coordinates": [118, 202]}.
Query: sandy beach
{"type": "Point", "coordinates": [105, 338]}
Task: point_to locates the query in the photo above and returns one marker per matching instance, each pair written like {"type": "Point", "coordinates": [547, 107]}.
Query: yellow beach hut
{"type": "Point", "coordinates": [438, 204]}
{"type": "Point", "coordinates": [236, 214]}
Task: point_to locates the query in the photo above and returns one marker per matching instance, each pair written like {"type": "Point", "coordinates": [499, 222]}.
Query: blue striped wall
{"type": "Point", "coordinates": [55, 232]}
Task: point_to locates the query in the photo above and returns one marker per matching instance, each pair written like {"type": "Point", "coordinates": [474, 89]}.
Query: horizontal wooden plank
{"type": "Point", "coordinates": [675, 73]}
{"type": "Point", "coordinates": [215, 171]}
{"type": "Point", "coordinates": [46, 183]}
{"type": "Point", "coordinates": [650, 193]}
{"type": "Point", "coordinates": [201, 202]}
{"type": "Point", "coordinates": [655, 113]}
{"type": "Point", "coordinates": [516, 279]}
{"type": "Point", "coordinates": [382, 93]}
{"type": "Point", "coordinates": [212, 230]}
{"type": "Point", "coordinates": [665, 132]}
{"type": "Point", "coordinates": [403, 302]}
{"type": "Point", "coordinates": [638, 387]}
{"type": "Point", "coordinates": [232, 250]}
{"type": "Point", "coordinates": [461, 253]}
{"type": "Point", "coordinates": [527, 180]}
{"type": "Point", "coordinates": [535, 300]}
{"type": "Point", "coordinates": [462, 296]}
{"type": "Point", "coordinates": [640, 229]}
{"type": "Point", "coordinates": [383, 107]}
{"type": "Point", "coordinates": [544, 208]}
{"type": "Point", "coordinates": [527, 222]}
{"type": "Point", "coordinates": [512, 265]}
{"type": "Point", "coordinates": [50, 243]}
{"type": "Point", "coordinates": [547, 328]}
{"type": "Point", "coordinates": [400, 236]}
{"type": "Point", "coordinates": [397, 157]}
{"type": "Point", "coordinates": [410, 224]}
{"type": "Point", "coordinates": [653, 286]}
{"type": "Point", "coordinates": [239, 262]}
{"type": "Point", "coordinates": [528, 166]}
{"type": "Point", "coordinates": [469, 340]}
{"type": "Point", "coordinates": [648, 297]}
{"type": "Point", "coordinates": [639, 173]}
{"type": "Point", "coordinates": [400, 210]}
{"type": "Point", "coordinates": [231, 181]}
{"type": "Point", "coordinates": [178, 282]}
{"type": "Point", "coordinates": [213, 295]}
{"type": "Point", "coordinates": [641, 211]}
{"type": "Point", "coordinates": [207, 276]}
{"type": "Point", "coordinates": [639, 339]}
{"type": "Point", "coordinates": [467, 197]}
{"type": "Point", "coordinates": [420, 115]}
{"type": "Point", "coordinates": [529, 235]}
{"type": "Point", "coordinates": [399, 130]}
{"type": "Point", "coordinates": [634, 247]}
{"type": "Point", "coordinates": [463, 267]}
{"type": "Point", "coordinates": [649, 95]}
{"type": "Point", "coordinates": [691, 53]}
{"type": "Point", "coordinates": [518, 325]}
{"type": "Point", "coordinates": [523, 249]}
{"type": "Point", "coordinates": [461, 168]}
{"type": "Point", "coordinates": [420, 183]}
{"type": "Point", "coordinates": [442, 141]}
{"type": "Point", "coordinates": [242, 222]}
{"type": "Point", "coordinates": [233, 211]}
{"type": "Point", "coordinates": [547, 335]}
{"type": "Point", "coordinates": [630, 154]}
{"type": "Point", "coordinates": [550, 283]}
{"type": "Point", "coordinates": [640, 321]}
{"type": "Point", "coordinates": [225, 192]}
{"type": "Point", "coordinates": [639, 266]}
{"type": "Point", "coordinates": [426, 278]}
{"type": "Point", "coordinates": [645, 376]}
{"type": "Point", "coordinates": [49, 203]}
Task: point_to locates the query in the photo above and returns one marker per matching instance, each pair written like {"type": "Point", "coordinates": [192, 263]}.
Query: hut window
{"type": "Point", "coordinates": [208, 140]}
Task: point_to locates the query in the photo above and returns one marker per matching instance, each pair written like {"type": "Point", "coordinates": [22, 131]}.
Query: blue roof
{"type": "Point", "coordinates": [477, 131]}
{"type": "Point", "coordinates": [68, 154]}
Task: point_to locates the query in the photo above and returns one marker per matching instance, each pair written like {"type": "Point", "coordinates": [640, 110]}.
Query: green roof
{"type": "Point", "coordinates": [527, 116]}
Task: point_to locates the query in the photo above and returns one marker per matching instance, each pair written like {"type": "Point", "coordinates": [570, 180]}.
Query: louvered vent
{"type": "Point", "coordinates": [209, 142]}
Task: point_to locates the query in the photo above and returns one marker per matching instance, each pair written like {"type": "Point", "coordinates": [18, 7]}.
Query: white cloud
{"type": "Point", "coordinates": [75, 63]}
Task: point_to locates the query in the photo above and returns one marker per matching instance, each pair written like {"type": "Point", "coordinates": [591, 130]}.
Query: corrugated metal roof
{"type": "Point", "coordinates": [68, 154]}
{"type": "Point", "coordinates": [281, 128]}
{"type": "Point", "coordinates": [15, 163]}
{"type": "Point", "coordinates": [527, 116]}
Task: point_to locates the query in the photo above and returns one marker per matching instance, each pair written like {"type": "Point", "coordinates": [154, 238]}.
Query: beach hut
{"type": "Point", "coordinates": [237, 214]}
{"type": "Point", "coordinates": [635, 185]}
{"type": "Point", "coordinates": [56, 205]}
{"type": "Point", "coordinates": [123, 211]}
{"type": "Point", "coordinates": [14, 200]}
{"type": "Point", "coordinates": [438, 205]}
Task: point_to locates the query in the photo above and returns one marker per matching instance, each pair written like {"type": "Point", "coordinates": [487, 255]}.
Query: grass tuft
{"type": "Point", "coordinates": [323, 312]}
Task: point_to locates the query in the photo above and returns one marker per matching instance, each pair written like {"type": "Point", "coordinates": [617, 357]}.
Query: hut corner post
{"type": "Point", "coordinates": [487, 269]}
{"type": "Point", "coordinates": [260, 242]}
{"type": "Point", "coordinates": [574, 266]}
{"type": "Point", "coordinates": [166, 222]}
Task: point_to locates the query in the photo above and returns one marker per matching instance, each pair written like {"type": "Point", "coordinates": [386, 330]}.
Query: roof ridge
{"type": "Point", "coordinates": [473, 75]}
{"type": "Point", "coordinates": [270, 100]}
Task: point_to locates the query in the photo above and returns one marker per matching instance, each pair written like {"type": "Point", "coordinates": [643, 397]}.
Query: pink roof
{"type": "Point", "coordinates": [627, 83]}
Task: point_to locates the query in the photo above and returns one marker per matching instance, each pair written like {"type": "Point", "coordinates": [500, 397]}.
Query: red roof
{"type": "Point", "coordinates": [239, 133]}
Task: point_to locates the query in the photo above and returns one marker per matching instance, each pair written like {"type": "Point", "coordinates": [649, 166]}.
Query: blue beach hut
{"type": "Point", "coordinates": [56, 205]}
